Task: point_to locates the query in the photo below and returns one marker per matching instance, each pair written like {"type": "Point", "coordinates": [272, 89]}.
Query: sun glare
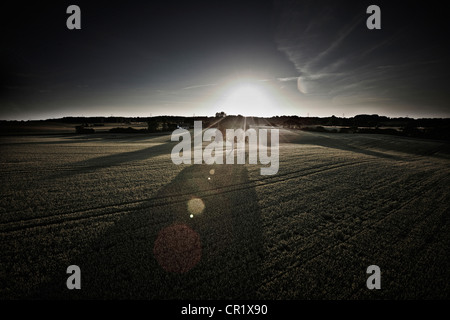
{"type": "Point", "coordinates": [248, 99]}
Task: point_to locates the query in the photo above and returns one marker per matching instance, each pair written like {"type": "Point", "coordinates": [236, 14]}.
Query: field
{"type": "Point", "coordinates": [47, 127]}
{"type": "Point", "coordinates": [116, 206]}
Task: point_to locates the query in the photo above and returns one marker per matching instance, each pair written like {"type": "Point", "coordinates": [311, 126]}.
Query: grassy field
{"type": "Point", "coordinates": [116, 206]}
{"type": "Point", "coordinates": [55, 128]}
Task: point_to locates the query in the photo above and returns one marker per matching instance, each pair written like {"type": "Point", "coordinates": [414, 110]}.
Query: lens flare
{"type": "Point", "coordinates": [177, 248]}
{"type": "Point", "coordinates": [195, 206]}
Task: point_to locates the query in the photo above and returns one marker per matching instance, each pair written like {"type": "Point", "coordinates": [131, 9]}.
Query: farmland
{"type": "Point", "coordinates": [141, 227]}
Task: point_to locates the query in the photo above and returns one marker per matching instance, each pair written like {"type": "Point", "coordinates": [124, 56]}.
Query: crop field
{"type": "Point", "coordinates": [141, 227]}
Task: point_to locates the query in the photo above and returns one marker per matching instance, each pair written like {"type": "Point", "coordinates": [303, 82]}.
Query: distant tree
{"type": "Point", "coordinates": [333, 121]}
{"type": "Point", "coordinates": [221, 114]}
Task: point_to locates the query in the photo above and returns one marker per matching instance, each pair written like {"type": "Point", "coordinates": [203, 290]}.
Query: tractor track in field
{"type": "Point", "coordinates": [321, 252]}
{"type": "Point", "coordinates": [354, 235]}
{"type": "Point", "coordinates": [414, 223]}
{"type": "Point", "coordinates": [317, 233]}
{"type": "Point", "coordinates": [59, 218]}
{"type": "Point", "coordinates": [395, 199]}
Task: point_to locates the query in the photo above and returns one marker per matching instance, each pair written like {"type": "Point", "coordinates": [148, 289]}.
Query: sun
{"type": "Point", "coordinates": [247, 99]}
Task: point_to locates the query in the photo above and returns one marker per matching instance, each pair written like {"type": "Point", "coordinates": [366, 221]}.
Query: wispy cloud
{"type": "Point", "coordinates": [288, 79]}
{"type": "Point", "coordinates": [315, 42]}
{"type": "Point", "coordinates": [200, 86]}
{"type": "Point", "coordinates": [345, 32]}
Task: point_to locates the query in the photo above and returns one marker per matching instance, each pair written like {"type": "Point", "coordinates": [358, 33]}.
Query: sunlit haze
{"type": "Point", "coordinates": [249, 99]}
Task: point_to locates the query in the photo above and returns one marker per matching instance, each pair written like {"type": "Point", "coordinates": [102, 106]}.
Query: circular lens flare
{"type": "Point", "coordinates": [177, 248]}
{"type": "Point", "coordinates": [195, 206]}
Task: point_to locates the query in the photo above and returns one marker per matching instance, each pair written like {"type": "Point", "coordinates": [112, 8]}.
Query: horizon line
{"type": "Point", "coordinates": [228, 115]}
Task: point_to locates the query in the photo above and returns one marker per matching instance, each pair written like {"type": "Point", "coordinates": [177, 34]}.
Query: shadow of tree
{"type": "Point", "coordinates": [334, 141]}
{"type": "Point", "coordinates": [91, 165]}
{"type": "Point", "coordinates": [200, 237]}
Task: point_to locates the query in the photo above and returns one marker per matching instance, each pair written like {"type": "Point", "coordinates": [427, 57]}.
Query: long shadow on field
{"type": "Point", "coordinates": [335, 141]}
{"type": "Point", "coordinates": [72, 138]}
{"type": "Point", "coordinates": [91, 165]}
{"type": "Point", "coordinates": [199, 238]}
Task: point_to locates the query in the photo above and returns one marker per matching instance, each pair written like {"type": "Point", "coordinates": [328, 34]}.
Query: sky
{"type": "Point", "coordinates": [254, 58]}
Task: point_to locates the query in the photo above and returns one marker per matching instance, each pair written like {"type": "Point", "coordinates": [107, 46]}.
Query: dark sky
{"type": "Point", "coordinates": [263, 58]}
